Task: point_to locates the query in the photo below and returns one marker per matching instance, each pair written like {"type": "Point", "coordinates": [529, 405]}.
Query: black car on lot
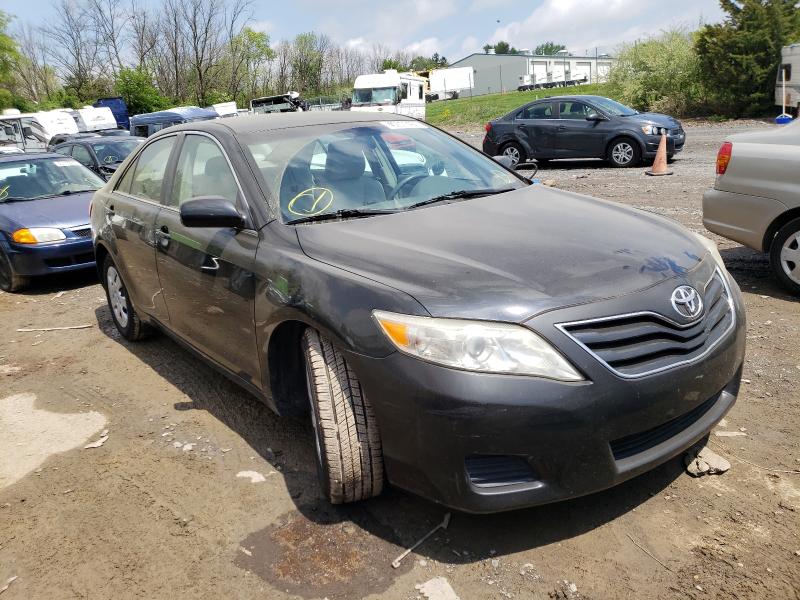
{"type": "Point", "coordinates": [100, 154]}
{"type": "Point", "coordinates": [481, 341]}
{"type": "Point", "coordinates": [581, 127]}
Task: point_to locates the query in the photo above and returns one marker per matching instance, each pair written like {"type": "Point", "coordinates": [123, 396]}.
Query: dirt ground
{"type": "Point", "coordinates": [158, 511]}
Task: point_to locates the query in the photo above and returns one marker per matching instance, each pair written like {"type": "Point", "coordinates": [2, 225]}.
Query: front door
{"type": "Point", "coordinates": [132, 211]}
{"type": "Point", "coordinates": [206, 273]}
{"type": "Point", "coordinates": [577, 137]}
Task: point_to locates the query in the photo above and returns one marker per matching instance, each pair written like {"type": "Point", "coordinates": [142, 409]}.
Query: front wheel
{"type": "Point", "coordinates": [348, 445]}
{"type": "Point", "coordinates": [624, 152]}
{"type": "Point", "coordinates": [10, 280]}
{"type": "Point", "coordinates": [515, 152]}
{"type": "Point", "coordinates": [785, 256]}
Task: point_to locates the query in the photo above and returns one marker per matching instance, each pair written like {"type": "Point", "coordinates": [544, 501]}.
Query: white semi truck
{"type": "Point", "coordinates": [391, 92]}
{"type": "Point", "coordinates": [787, 85]}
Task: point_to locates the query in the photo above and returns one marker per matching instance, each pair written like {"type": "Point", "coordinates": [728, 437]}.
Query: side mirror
{"type": "Point", "coordinates": [596, 117]}
{"type": "Point", "coordinates": [504, 160]}
{"type": "Point", "coordinates": [211, 211]}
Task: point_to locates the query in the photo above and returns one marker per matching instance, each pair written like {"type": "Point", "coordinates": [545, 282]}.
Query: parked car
{"type": "Point", "coordinates": [100, 154]}
{"type": "Point", "coordinates": [61, 138]}
{"type": "Point", "coordinates": [756, 197]}
{"type": "Point", "coordinates": [44, 217]}
{"type": "Point", "coordinates": [483, 342]}
{"type": "Point", "coordinates": [581, 127]}
{"type": "Point", "coordinates": [147, 124]}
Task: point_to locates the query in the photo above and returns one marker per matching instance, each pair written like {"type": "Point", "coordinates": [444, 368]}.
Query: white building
{"type": "Point", "coordinates": [506, 72]}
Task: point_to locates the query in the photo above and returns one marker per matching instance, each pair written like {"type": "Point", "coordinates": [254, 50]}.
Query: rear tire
{"type": "Point", "coordinates": [10, 280]}
{"type": "Point", "coordinates": [348, 444]}
{"type": "Point", "coordinates": [784, 256]}
{"type": "Point", "coordinates": [624, 152]}
{"type": "Point", "coordinates": [515, 152]}
{"type": "Point", "coordinates": [124, 315]}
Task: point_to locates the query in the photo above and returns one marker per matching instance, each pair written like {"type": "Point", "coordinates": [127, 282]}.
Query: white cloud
{"type": "Point", "coordinates": [470, 45]}
{"type": "Point", "coordinates": [265, 26]}
{"type": "Point", "coordinates": [424, 47]}
{"type": "Point", "coordinates": [484, 5]}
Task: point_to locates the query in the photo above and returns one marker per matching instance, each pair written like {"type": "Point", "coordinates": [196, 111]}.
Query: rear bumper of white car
{"type": "Point", "coordinates": [740, 217]}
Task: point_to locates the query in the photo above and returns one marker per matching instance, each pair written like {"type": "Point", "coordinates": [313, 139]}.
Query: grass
{"type": "Point", "coordinates": [475, 112]}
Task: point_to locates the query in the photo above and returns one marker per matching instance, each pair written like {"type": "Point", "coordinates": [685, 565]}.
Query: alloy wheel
{"type": "Point", "coordinates": [117, 297]}
{"type": "Point", "coordinates": [622, 153]}
{"type": "Point", "coordinates": [790, 257]}
{"type": "Point", "coordinates": [513, 154]}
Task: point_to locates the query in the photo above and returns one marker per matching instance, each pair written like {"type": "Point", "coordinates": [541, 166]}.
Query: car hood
{"type": "Point", "coordinates": [511, 256]}
{"type": "Point", "coordinates": [62, 212]}
{"type": "Point", "coordinates": [657, 119]}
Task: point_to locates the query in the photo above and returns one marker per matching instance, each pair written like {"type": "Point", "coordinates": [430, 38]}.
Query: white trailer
{"type": "Point", "coordinates": [391, 92]}
{"type": "Point", "coordinates": [787, 93]}
{"type": "Point", "coordinates": [32, 131]}
{"type": "Point", "coordinates": [225, 109]}
{"type": "Point", "coordinates": [451, 82]}
{"type": "Point", "coordinates": [90, 118]}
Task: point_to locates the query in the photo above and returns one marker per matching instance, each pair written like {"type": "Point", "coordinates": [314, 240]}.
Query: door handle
{"type": "Point", "coordinates": [163, 236]}
{"type": "Point", "coordinates": [561, 128]}
{"type": "Point", "coordinates": [110, 209]}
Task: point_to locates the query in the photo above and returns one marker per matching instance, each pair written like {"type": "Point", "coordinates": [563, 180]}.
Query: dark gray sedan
{"type": "Point", "coordinates": [449, 327]}
{"type": "Point", "coordinates": [581, 127]}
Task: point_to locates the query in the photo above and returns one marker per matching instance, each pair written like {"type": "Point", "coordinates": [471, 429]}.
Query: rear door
{"type": "Point", "coordinates": [536, 124]}
{"type": "Point", "coordinates": [577, 137]}
{"type": "Point", "coordinates": [206, 272]}
{"type": "Point", "coordinates": [84, 156]}
{"type": "Point", "coordinates": [132, 211]}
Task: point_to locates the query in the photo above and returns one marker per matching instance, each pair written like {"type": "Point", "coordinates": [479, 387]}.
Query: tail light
{"type": "Point", "coordinates": [488, 127]}
{"type": "Point", "coordinates": [724, 157]}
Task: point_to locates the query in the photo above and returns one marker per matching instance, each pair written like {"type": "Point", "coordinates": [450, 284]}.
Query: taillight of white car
{"type": "Point", "coordinates": [724, 157]}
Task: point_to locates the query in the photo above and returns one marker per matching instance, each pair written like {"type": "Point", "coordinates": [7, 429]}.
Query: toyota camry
{"type": "Point", "coordinates": [448, 326]}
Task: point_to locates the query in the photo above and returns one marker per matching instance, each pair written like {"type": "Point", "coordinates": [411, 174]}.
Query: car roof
{"type": "Point", "coordinates": [4, 158]}
{"type": "Point", "coordinates": [273, 121]}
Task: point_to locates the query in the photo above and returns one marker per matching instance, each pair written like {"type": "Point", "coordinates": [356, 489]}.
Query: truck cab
{"type": "Point", "coordinates": [391, 92]}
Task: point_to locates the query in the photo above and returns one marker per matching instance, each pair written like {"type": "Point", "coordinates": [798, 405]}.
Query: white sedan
{"type": "Point", "coordinates": [756, 197]}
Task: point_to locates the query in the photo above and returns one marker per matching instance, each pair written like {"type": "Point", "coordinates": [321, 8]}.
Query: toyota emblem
{"type": "Point", "coordinates": [687, 301]}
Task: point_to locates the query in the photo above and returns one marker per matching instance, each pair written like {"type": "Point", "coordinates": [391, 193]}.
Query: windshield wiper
{"type": "Point", "coordinates": [13, 199]}
{"type": "Point", "coordinates": [461, 194]}
{"type": "Point", "coordinates": [345, 213]}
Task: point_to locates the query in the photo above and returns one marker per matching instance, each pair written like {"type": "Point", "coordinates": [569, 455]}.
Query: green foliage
{"type": "Point", "coordinates": [738, 59]}
{"type": "Point", "coordinates": [475, 112]}
{"type": "Point", "coordinates": [504, 48]}
{"type": "Point", "coordinates": [424, 63]}
{"type": "Point", "coordinates": [137, 89]}
{"type": "Point", "coordinates": [549, 48]}
{"type": "Point", "coordinates": [392, 63]}
{"type": "Point", "coordinates": [8, 49]}
{"type": "Point", "coordinates": [6, 99]}
{"type": "Point", "coordinates": [660, 74]}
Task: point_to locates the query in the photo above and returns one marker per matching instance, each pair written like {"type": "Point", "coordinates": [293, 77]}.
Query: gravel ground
{"type": "Point", "coordinates": [158, 511]}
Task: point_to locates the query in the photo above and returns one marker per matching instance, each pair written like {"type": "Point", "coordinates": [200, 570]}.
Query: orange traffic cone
{"type": "Point", "coordinates": [660, 163]}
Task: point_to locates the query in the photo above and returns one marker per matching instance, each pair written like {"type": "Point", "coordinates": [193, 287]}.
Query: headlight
{"type": "Point", "coordinates": [476, 346]}
{"type": "Point", "coordinates": [37, 235]}
{"type": "Point", "coordinates": [653, 130]}
{"type": "Point", "coordinates": [712, 248]}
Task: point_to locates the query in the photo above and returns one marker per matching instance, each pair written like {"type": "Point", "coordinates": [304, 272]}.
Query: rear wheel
{"type": "Point", "coordinates": [348, 445]}
{"type": "Point", "coordinates": [10, 281]}
{"type": "Point", "coordinates": [515, 152]}
{"type": "Point", "coordinates": [624, 152]}
{"type": "Point", "coordinates": [122, 312]}
{"type": "Point", "coordinates": [785, 256]}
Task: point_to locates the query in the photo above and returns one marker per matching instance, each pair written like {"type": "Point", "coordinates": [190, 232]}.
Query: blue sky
{"type": "Point", "coordinates": [455, 28]}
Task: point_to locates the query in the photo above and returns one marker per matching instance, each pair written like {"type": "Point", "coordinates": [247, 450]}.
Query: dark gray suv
{"type": "Point", "coordinates": [581, 127]}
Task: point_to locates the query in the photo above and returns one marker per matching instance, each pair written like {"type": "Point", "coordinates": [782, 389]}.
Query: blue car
{"type": "Point", "coordinates": [44, 217]}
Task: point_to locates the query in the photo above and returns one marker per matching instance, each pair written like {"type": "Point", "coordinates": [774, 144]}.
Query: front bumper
{"type": "Point", "coordinates": [44, 259]}
{"type": "Point", "coordinates": [675, 144]}
{"type": "Point", "coordinates": [573, 438]}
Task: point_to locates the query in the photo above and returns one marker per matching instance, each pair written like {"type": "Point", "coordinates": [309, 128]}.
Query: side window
{"type": "Point", "coordinates": [403, 91]}
{"type": "Point", "coordinates": [81, 154]}
{"type": "Point", "coordinates": [537, 111]}
{"type": "Point", "coordinates": [202, 170]}
{"type": "Point", "coordinates": [141, 131]}
{"type": "Point", "coordinates": [573, 110]}
{"type": "Point", "coordinates": [35, 137]}
{"type": "Point", "coordinates": [420, 92]}
{"type": "Point", "coordinates": [148, 172]}
{"type": "Point", "coordinates": [65, 150]}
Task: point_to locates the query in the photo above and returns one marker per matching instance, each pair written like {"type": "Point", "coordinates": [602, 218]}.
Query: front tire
{"type": "Point", "coordinates": [785, 256]}
{"type": "Point", "coordinates": [124, 315]}
{"type": "Point", "coordinates": [348, 445]}
{"type": "Point", "coordinates": [624, 152]}
{"type": "Point", "coordinates": [10, 281]}
{"type": "Point", "coordinates": [515, 152]}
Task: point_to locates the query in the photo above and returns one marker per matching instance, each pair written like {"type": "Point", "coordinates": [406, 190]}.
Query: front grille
{"type": "Point", "coordinates": [498, 470]}
{"type": "Point", "coordinates": [639, 344]}
{"type": "Point", "coordinates": [68, 261]}
{"type": "Point", "coordinates": [640, 442]}
{"type": "Point", "coordinates": [82, 232]}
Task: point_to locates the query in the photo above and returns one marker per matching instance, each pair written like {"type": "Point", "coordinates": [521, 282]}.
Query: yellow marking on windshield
{"type": "Point", "coordinates": [4, 192]}
{"type": "Point", "coordinates": [321, 200]}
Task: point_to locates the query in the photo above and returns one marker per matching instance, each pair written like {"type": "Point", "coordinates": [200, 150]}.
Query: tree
{"type": "Point", "coordinates": [504, 48]}
{"type": "Point", "coordinates": [392, 63]}
{"type": "Point", "coordinates": [739, 59]}
{"type": "Point", "coordinates": [137, 89]}
{"type": "Point", "coordinates": [8, 50]}
{"type": "Point", "coordinates": [486, 48]}
{"type": "Point", "coordinates": [549, 48]}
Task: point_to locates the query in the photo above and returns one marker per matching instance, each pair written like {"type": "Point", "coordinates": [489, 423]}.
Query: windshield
{"type": "Point", "coordinates": [112, 153]}
{"type": "Point", "coordinates": [387, 95]}
{"type": "Point", "coordinates": [613, 107]}
{"type": "Point", "coordinates": [375, 166]}
{"type": "Point", "coordinates": [44, 177]}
